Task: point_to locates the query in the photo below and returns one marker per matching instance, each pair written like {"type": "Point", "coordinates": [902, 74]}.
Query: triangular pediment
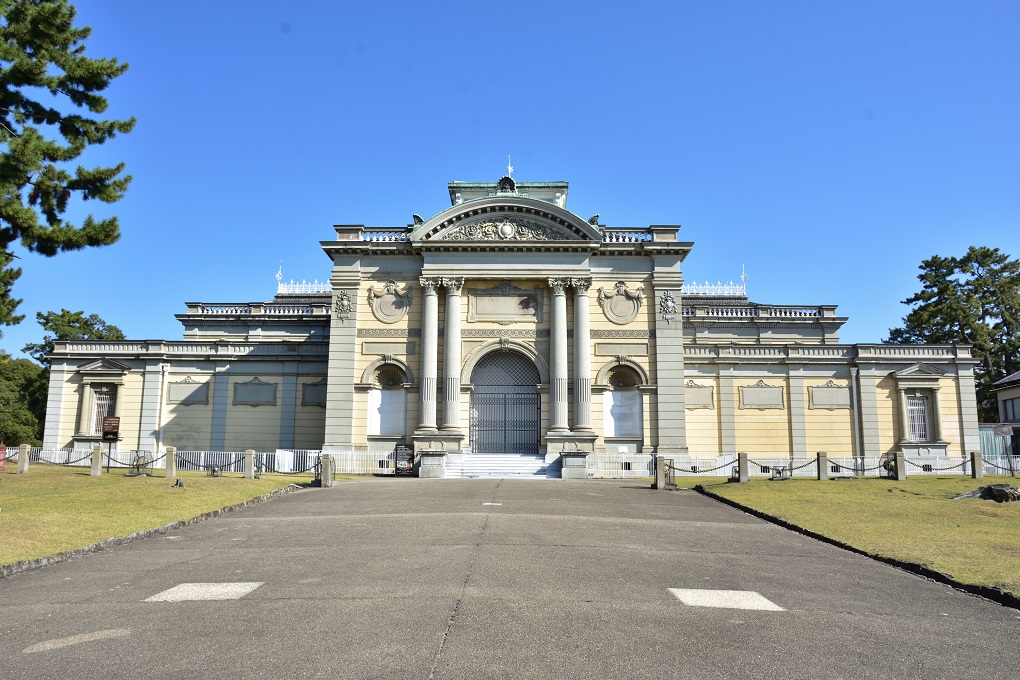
{"type": "Point", "coordinates": [920, 370]}
{"type": "Point", "coordinates": [503, 219]}
{"type": "Point", "coordinates": [104, 366]}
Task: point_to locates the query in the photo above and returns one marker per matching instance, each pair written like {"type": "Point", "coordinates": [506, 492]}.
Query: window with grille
{"type": "Point", "coordinates": [102, 406]}
{"type": "Point", "coordinates": [917, 419]}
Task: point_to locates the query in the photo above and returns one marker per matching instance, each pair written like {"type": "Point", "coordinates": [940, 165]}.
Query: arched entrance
{"type": "Point", "coordinates": [505, 406]}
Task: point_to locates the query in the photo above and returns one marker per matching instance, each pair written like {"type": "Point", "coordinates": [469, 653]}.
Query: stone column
{"type": "Point", "coordinates": [936, 416]}
{"type": "Point", "coordinates": [451, 355]}
{"type": "Point", "coordinates": [429, 352]}
{"type": "Point", "coordinates": [24, 451]}
{"type": "Point", "coordinates": [171, 460]}
{"type": "Point", "coordinates": [582, 356]}
{"type": "Point", "coordinates": [558, 356]}
{"type": "Point", "coordinates": [249, 464]}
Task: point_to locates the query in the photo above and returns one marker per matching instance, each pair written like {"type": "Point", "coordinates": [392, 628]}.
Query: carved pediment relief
{"type": "Point", "coordinates": [505, 229]}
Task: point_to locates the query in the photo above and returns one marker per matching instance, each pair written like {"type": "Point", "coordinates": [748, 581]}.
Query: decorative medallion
{"type": "Point", "coordinates": [505, 229]}
{"type": "Point", "coordinates": [342, 306]}
{"type": "Point", "coordinates": [389, 305]}
{"type": "Point", "coordinates": [620, 304]}
{"type": "Point", "coordinates": [667, 306]}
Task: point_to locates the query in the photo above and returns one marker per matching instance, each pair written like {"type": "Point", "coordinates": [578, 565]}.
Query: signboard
{"type": "Point", "coordinates": [404, 459]}
{"type": "Point", "coordinates": [1003, 430]}
{"type": "Point", "coordinates": [111, 428]}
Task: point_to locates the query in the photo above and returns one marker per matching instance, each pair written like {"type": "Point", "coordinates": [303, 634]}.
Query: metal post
{"type": "Point", "coordinates": [97, 461]}
{"type": "Point", "coordinates": [23, 452]}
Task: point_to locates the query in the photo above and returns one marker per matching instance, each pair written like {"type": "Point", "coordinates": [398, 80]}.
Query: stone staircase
{"type": "Point", "coordinates": [501, 465]}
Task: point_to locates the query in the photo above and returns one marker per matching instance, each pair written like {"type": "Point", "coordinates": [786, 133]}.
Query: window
{"type": "Point", "coordinates": [917, 419]}
{"type": "Point", "coordinates": [102, 406]}
{"type": "Point", "coordinates": [1010, 410]}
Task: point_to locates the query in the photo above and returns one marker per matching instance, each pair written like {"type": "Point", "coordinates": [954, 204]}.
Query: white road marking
{"type": "Point", "coordinates": [205, 591]}
{"type": "Point", "coordinates": [492, 504]}
{"type": "Point", "coordinates": [725, 599]}
{"type": "Point", "coordinates": [76, 640]}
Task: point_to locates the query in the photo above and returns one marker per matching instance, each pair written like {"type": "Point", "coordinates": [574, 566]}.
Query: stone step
{"type": "Point", "coordinates": [502, 465]}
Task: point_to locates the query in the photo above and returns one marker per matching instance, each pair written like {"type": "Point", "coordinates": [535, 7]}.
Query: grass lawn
{"type": "Point", "coordinates": [55, 508]}
{"type": "Point", "coordinates": [971, 540]}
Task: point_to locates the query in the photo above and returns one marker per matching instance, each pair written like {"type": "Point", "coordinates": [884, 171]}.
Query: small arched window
{"type": "Point", "coordinates": [621, 404]}
{"type": "Point", "coordinates": [387, 401]}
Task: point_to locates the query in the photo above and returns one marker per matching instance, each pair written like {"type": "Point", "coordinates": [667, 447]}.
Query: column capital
{"type": "Point", "coordinates": [430, 284]}
{"type": "Point", "coordinates": [581, 285]}
{"type": "Point", "coordinates": [559, 286]}
{"type": "Point", "coordinates": [453, 284]}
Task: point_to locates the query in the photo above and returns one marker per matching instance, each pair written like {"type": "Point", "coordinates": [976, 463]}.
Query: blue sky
{"type": "Point", "coordinates": [829, 147]}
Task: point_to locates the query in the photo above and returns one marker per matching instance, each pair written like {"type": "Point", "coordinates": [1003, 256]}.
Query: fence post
{"type": "Point", "coordinates": [901, 467]}
{"type": "Point", "coordinates": [823, 465]}
{"type": "Point", "coordinates": [97, 461]}
{"type": "Point", "coordinates": [660, 472]}
{"type": "Point", "coordinates": [742, 475]}
{"type": "Point", "coordinates": [249, 464]}
{"type": "Point", "coordinates": [325, 470]}
{"type": "Point", "coordinates": [977, 465]}
{"type": "Point", "coordinates": [24, 451]}
{"type": "Point", "coordinates": [171, 460]}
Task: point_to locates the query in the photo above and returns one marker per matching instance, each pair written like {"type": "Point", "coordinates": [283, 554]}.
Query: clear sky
{"type": "Point", "coordinates": [829, 147]}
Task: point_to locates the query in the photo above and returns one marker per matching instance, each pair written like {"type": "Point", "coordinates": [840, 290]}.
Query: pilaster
{"type": "Point", "coordinates": [429, 353]}
{"type": "Point", "coordinates": [451, 355]}
{"type": "Point", "coordinates": [343, 331]}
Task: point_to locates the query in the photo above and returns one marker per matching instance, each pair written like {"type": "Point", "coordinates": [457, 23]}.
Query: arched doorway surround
{"type": "Point", "coordinates": [505, 404]}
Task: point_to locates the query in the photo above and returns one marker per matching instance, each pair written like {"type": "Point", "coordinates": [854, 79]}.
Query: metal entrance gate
{"type": "Point", "coordinates": [504, 423]}
{"type": "Point", "coordinates": [505, 405]}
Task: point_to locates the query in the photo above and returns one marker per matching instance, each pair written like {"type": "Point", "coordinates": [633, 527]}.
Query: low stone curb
{"type": "Point", "coordinates": [995, 594]}
{"type": "Point", "coordinates": [27, 565]}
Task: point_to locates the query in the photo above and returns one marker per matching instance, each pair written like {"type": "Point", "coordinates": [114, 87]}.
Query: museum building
{"type": "Point", "coordinates": [507, 324]}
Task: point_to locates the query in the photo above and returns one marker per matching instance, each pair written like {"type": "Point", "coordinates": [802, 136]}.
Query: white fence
{"type": "Point", "coordinates": [621, 465]}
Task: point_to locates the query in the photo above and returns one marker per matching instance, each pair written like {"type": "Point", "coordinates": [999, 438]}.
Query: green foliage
{"type": "Point", "coordinates": [22, 401]}
{"type": "Point", "coordinates": [974, 299]}
{"type": "Point", "coordinates": [48, 88]}
{"type": "Point", "coordinates": [68, 325]}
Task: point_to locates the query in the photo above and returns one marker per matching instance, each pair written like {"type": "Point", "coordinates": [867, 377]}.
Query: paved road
{"type": "Point", "coordinates": [492, 579]}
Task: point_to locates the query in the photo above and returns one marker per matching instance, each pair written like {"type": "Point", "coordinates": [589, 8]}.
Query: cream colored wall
{"type": "Point", "coordinates": [949, 404]}
{"type": "Point", "coordinates": [189, 428]}
{"type": "Point", "coordinates": [763, 431]}
{"type": "Point", "coordinates": [888, 414]}
{"type": "Point", "coordinates": [827, 430]}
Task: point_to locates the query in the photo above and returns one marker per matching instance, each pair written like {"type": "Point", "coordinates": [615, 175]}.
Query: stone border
{"type": "Point", "coordinates": [14, 568]}
{"type": "Point", "coordinates": [995, 594]}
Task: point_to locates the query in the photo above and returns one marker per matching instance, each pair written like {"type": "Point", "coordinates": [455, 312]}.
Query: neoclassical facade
{"type": "Point", "coordinates": [508, 324]}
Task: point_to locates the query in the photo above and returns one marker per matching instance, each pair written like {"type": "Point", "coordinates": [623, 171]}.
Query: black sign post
{"type": "Point", "coordinates": [111, 432]}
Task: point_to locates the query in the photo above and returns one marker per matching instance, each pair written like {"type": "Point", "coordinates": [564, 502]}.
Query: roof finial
{"type": "Point", "coordinates": [743, 273]}
{"type": "Point", "coordinates": [509, 168]}
{"type": "Point", "coordinates": [279, 273]}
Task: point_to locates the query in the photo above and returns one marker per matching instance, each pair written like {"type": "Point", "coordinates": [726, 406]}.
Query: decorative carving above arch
{"type": "Point", "coordinates": [603, 375]}
{"type": "Point", "coordinates": [621, 304]}
{"type": "Point", "coordinates": [389, 304]}
{"type": "Point", "coordinates": [368, 377]}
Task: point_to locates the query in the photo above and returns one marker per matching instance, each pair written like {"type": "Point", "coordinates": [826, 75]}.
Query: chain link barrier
{"type": "Point", "coordinates": [997, 467]}
{"type": "Point", "coordinates": [932, 468]}
{"type": "Point", "coordinates": [692, 471]}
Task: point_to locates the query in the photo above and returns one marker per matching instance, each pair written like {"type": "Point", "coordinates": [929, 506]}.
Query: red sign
{"type": "Point", "coordinates": [111, 428]}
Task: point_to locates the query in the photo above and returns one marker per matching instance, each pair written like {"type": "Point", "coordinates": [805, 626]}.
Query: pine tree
{"type": "Point", "coordinates": [41, 50]}
{"type": "Point", "coordinates": [68, 325]}
{"type": "Point", "coordinates": [971, 300]}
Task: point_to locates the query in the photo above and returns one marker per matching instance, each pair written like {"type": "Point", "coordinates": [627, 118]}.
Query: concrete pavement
{"type": "Point", "coordinates": [402, 578]}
